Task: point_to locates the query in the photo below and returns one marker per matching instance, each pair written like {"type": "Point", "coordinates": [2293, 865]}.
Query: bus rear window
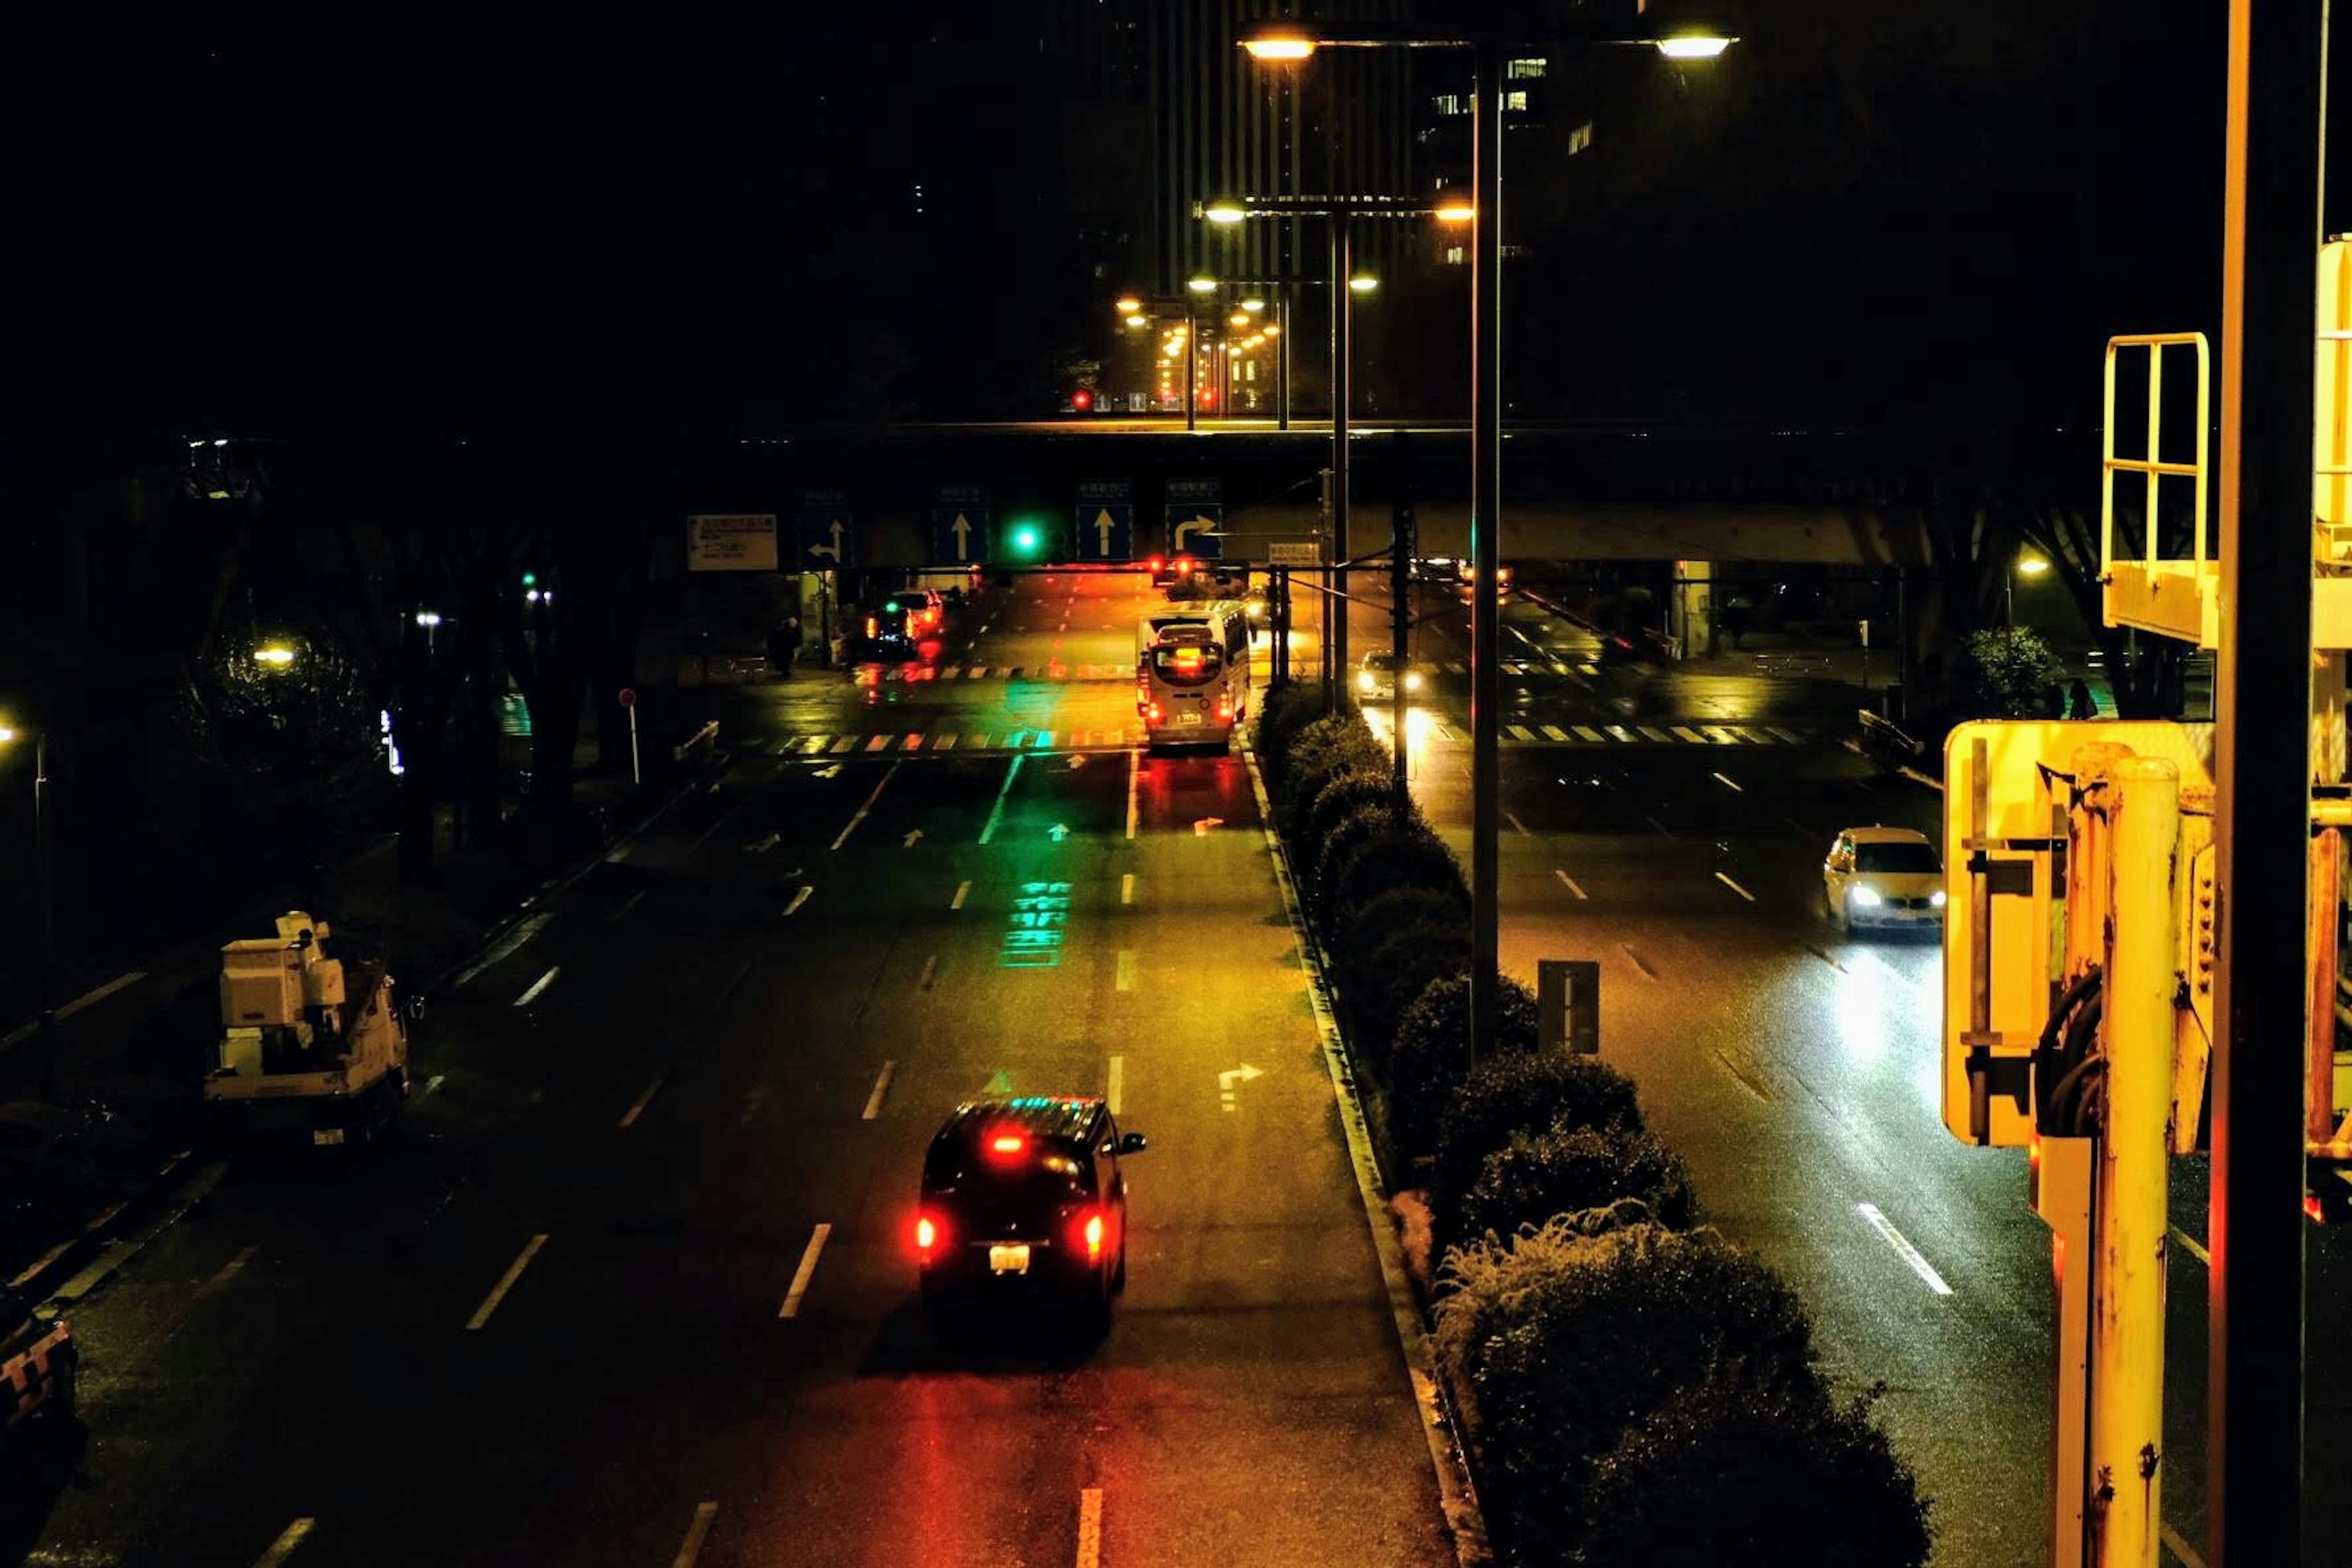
{"type": "Point", "coordinates": [1187, 664]}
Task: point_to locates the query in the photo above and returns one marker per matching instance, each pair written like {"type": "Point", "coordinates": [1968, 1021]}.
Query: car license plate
{"type": "Point", "coordinates": [1188, 718]}
{"type": "Point", "coordinates": [1012, 1259]}
{"type": "Point", "coordinates": [324, 1135]}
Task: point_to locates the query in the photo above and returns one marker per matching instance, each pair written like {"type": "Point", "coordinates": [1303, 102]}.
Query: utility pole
{"type": "Point", "coordinates": [2270, 246]}
{"type": "Point", "coordinates": [1335, 611]}
{"type": "Point", "coordinates": [1323, 613]}
{"type": "Point", "coordinates": [1401, 550]}
{"type": "Point", "coordinates": [1485, 545]}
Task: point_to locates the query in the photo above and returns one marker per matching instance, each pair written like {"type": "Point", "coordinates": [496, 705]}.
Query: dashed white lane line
{"type": "Point", "coordinates": [506, 1282]}
{"type": "Point", "coordinates": [1127, 887]}
{"type": "Point", "coordinates": [881, 1091]}
{"type": "Point", "coordinates": [930, 972]}
{"type": "Point", "coordinates": [2194, 1251]}
{"type": "Point", "coordinates": [629, 1116]}
{"type": "Point", "coordinates": [1517, 825]}
{"type": "Point", "coordinates": [538, 985]}
{"type": "Point", "coordinates": [1903, 1247]}
{"type": "Point", "coordinates": [879, 788]}
{"type": "Point", "coordinates": [792, 1307]}
{"type": "Point", "coordinates": [1126, 969]}
{"type": "Point", "coordinates": [1134, 769]}
{"type": "Point", "coordinates": [1569, 883]}
{"type": "Point", "coordinates": [523, 932]}
{"type": "Point", "coordinates": [619, 855]}
{"type": "Point", "coordinates": [97, 994]}
{"type": "Point", "coordinates": [689, 1551]}
{"type": "Point", "coordinates": [1112, 1093]}
{"type": "Point", "coordinates": [963, 891]}
{"type": "Point", "coordinates": [627, 904]}
{"type": "Point", "coordinates": [715, 827]}
{"type": "Point", "coordinates": [996, 812]}
{"type": "Point", "coordinates": [1735, 886]}
{"type": "Point", "coordinates": [1090, 1528]}
{"type": "Point", "coordinates": [1726, 783]}
{"type": "Point", "coordinates": [1664, 830]}
{"type": "Point", "coordinates": [294, 1535]}
{"type": "Point", "coordinates": [798, 899]}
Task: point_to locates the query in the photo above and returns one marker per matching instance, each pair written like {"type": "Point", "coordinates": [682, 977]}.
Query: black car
{"type": "Point", "coordinates": [1025, 1195]}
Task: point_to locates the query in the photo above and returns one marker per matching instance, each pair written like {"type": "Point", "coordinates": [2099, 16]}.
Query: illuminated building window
{"type": "Point", "coordinates": [1580, 138]}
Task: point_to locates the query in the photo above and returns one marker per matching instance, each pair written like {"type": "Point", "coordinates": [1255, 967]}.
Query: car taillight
{"type": "Point", "coordinates": [1225, 707]}
{"type": "Point", "coordinates": [1090, 1228]}
{"type": "Point", "coordinates": [1153, 713]}
{"type": "Point", "coordinates": [928, 1233]}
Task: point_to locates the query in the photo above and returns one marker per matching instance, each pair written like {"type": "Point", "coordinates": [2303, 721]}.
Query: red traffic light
{"type": "Point", "coordinates": [1082, 400]}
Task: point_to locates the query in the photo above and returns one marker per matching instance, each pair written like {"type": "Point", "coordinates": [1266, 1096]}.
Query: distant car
{"type": "Point", "coordinates": [1437, 569]}
{"type": "Point", "coordinates": [1375, 678]}
{"type": "Point", "coordinates": [1503, 576]}
{"type": "Point", "coordinates": [1021, 1198]}
{"type": "Point", "coordinates": [1889, 879]}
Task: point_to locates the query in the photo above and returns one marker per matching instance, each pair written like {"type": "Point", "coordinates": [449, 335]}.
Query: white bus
{"type": "Point", "coordinates": [1192, 674]}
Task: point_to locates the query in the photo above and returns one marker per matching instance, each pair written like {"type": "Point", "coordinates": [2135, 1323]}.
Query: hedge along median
{"type": "Point", "coordinates": [1619, 1376]}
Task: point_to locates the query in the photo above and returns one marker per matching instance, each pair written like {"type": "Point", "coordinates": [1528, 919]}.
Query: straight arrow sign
{"type": "Point", "coordinates": [1231, 1076]}
{"type": "Point", "coordinates": [962, 529]}
{"type": "Point", "coordinates": [1104, 527]}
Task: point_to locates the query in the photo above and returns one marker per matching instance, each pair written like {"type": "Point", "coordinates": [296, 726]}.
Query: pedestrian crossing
{"type": "Point", "coordinates": [966, 743]}
{"type": "Point", "coordinates": [1055, 670]}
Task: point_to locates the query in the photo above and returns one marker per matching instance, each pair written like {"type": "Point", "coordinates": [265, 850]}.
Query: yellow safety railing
{"type": "Point", "coordinates": [2151, 465]}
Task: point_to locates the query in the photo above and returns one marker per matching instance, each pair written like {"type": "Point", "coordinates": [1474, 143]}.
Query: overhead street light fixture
{"type": "Point", "coordinates": [1253, 304]}
{"type": "Point", "coordinates": [1126, 304]}
{"type": "Point", "coordinates": [1201, 285]}
{"type": "Point", "coordinates": [1693, 46]}
{"type": "Point", "coordinates": [1363, 282]}
{"type": "Point", "coordinates": [1456, 212]}
{"type": "Point", "coordinates": [274, 656]}
{"type": "Point", "coordinates": [1138, 321]}
{"type": "Point", "coordinates": [1224, 212]}
{"type": "Point", "coordinates": [1279, 46]}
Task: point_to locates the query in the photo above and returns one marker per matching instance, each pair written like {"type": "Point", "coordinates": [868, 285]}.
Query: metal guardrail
{"type": "Point", "coordinates": [1882, 734]}
{"type": "Point", "coordinates": [705, 739]}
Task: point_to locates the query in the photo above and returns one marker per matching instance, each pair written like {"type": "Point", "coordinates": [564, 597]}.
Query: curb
{"type": "Point", "coordinates": [718, 764]}
{"type": "Point", "coordinates": [78, 1264]}
{"type": "Point", "coordinates": [1457, 1492]}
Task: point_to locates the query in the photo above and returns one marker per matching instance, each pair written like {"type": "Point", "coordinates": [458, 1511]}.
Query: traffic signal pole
{"type": "Point", "coordinates": [1335, 613]}
{"type": "Point", "coordinates": [2270, 246]}
{"type": "Point", "coordinates": [1485, 546]}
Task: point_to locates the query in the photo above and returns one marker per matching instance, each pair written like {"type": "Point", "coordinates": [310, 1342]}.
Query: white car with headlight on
{"type": "Point", "coordinates": [1884, 878]}
{"type": "Point", "coordinates": [1376, 678]}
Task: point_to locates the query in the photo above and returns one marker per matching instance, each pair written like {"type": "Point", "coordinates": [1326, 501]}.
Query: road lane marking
{"type": "Point", "coordinates": [1090, 1528]}
{"type": "Point", "coordinates": [1661, 827]}
{"type": "Point", "coordinates": [294, 1535]}
{"type": "Point", "coordinates": [87, 998]}
{"type": "Point", "coordinates": [1126, 969]}
{"type": "Point", "coordinates": [617, 856]}
{"type": "Point", "coordinates": [2178, 1547]}
{"type": "Point", "coordinates": [996, 812]}
{"type": "Point", "coordinates": [538, 985]}
{"type": "Point", "coordinates": [523, 932]}
{"type": "Point", "coordinates": [846, 744]}
{"type": "Point", "coordinates": [1754, 1084]}
{"type": "Point", "coordinates": [930, 972]}
{"type": "Point", "coordinates": [1134, 767]}
{"type": "Point", "coordinates": [1727, 784]}
{"type": "Point", "coordinates": [506, 1282]}
{"type": "Point", "coordinates": [689, 1551]}
{"type": "Point", "coordinates": [1552, 733]}
{"type": "Point", "coordinates": [1903, 1247]}
{"type": "Point", "coordinates": [1735, 886]}
{"type": "Point", "coordinates": [715, 827]}
{"type": "Point", "coordinates": [629, 1116]}
{"type": "Point", "coordinates": [945, 742]}
{"type": "Point", "coordinates": [1517, 825]}
{"type": "Point", "coordinates": [2189, 1242]}
{"type": "Point", "coordinates": [1113, 1093]}
{"type": "Point", "coordinates": [887, 774]}
{"type": "Point", "coordinates": [627, 904]}
{"type": "Point", "coordinates": [1793, 739]}
{"type": "Point", "coordinates": [878, 743]}
{"type": "Point", "coordinates": [1802, 831]}
{"type": "Point", "coordinates": [1127, 887]}
{"type": "Point", "coordinates": [792, 1307]}
{"type": "Point", "coordinates": [1569, 883]}
{"type": "Point", "coordinates": [798, 899]}
{"type": "Point", "coordinates": [881, 1091]}
{"type": "Point", "coordinates": [1639, 962]}
{"type": "Point", "coordinates": [963, 891]}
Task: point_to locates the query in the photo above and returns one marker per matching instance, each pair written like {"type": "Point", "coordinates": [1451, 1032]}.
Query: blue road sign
{"type": "Point", "coordinates": [959, 525]}
{"type": "Point", "coordinates": [1104, 521]}
{"type": "Point", "coordinates": [824, 532]}
{"type": "Point", "coordinates": [1196, 518]}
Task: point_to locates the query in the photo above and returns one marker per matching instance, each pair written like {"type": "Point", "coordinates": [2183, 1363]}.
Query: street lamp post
{"type": "Point", "coordinates": [45, 883]}
{"type": "Point", "coordinates": [1489, 50]}
{"type": "Point", "coordinates": [2033, 566]}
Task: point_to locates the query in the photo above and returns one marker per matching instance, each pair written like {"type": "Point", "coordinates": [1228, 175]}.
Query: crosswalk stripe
{"type": "Point", "coordinates": [1683, 732]}
{"type": "Point", "coordinates": [1620, 732]}
{"type": "Point", "coordinates": [1784, 734]}
{"type": "Point", "coordinates": [975, 743]}
{"type": "Point", "coordinates": [1654, 734]}
{"type": "Point", "coordinates": [846, 744]}
{"type": "Point", "coordinates": [913, 741]}
{"type": "Point", "coordinates": [1584, 733]}
{"type": "Point", "coordinates": [1738, 737]}
{"type": "Point", "coordinates": [1553, 732]}
{"type": "Point", "coordinates": [1044, 741]}
{"type": "Point", "coordinates": [945, 742]}
{"type": "Point", "coordinates": [1518, 731]}
{"type": "Point", "coordinates": [877, 743]}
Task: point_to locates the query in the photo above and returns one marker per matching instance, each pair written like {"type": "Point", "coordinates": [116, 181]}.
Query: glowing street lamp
{"type": "Point", "coordinates": [1126, 304]}
{"type": "Point", "coordinates": [275, 656]}
{"type": "Point", "coordinates": [2027, 565]}
{"type": "Point", "coordinates": [1363, 282]}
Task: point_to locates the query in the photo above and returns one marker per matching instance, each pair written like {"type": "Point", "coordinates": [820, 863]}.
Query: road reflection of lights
{"type": "Point", "coordinates": [1420, 730]}
{"type": "Point", "coordinates": [1864, 1001]}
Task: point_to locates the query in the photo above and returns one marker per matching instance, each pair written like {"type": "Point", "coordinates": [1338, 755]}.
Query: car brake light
{"type": "Point", "coordinates": [926, 1234]}
{"type": "Point", "coordinates": [1090, 1235]}
{"type": "Point", "coordinates": [1153, 713]}
{"type": "Point", "coordinates": [1007, 1143]}
{"type": "Point", "coordinates": [1225, 705]}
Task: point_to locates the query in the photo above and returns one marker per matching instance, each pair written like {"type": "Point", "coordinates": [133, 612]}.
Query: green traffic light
{"type": "Point", "coordinates": [1024, 539]}
{"type": "Point", "coordinates": [891, 608]}
{"type": "Point", "coordinates": [530, 579]}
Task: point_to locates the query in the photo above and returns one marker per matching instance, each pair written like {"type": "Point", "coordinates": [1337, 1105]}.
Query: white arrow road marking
{"type": "Point", "coordinates": [538, 985]}
{"type": "Point", "coordinates": [1735, 886]}
{"type": "Point", "coordinates": [1058, 832]}
{"type": "Point", "coordinates": [762, 845]}
{"type": "Point", "coordinates": [1226, 1079]}
{"type": "Point", "coordinates": [282, 1548]}
{"type": "Point", "coordinates": [1202, 825]}
{"type": "Point", "coordinates": [792, 1307]}
{"type": "Point", "coordinates": [1909, 1254]}
{"type": "Point", "coordinates": [914, 837]}
{"type": "Point", "coordinates": [506, 1282]}
{"type": "Point", "coordinates": [1113, 1094]}
{"type": "Point", "coordinates": [831, 770]}
{"type": "Point", "coordinates": [881, 1090]}
{"type": "Point", "coordinates": [689, 1551]}
{"type": "Point", "coordinates": [963, 891]}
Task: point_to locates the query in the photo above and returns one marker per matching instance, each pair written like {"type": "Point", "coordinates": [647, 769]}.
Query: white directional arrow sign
{"type": "Point", "coordinates": [834, 549]}
{"type": "Point", "coordinates": [1226, 1079]}
{"type": "Point", "coordinates": [962, 529]}
{"type": "Point", "coordinates": [1200, 826]}
{"type": "Point", "coordinates": [1078, 759]}
{"type": "Point", "coordinates": [914, 837]}
{"type": "Point", "coordinates": [1058, 832]}
{"type": "Point", "coordinates": [1104, 525]}
{"type": "Point", "coordinates": [828, 770]}
{"type": "Point", "coordinates": [1191, 526]}
{"type": "Point", "coordinates": [762, 845]}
